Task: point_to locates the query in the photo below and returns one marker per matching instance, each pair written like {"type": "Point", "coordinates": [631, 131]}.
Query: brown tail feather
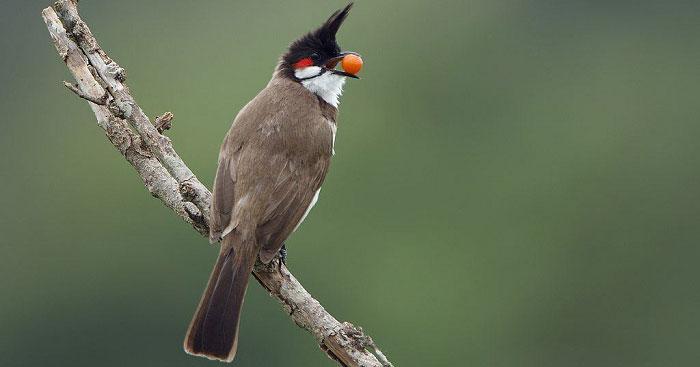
{"type": "Point", "coordinates": [213, 332]}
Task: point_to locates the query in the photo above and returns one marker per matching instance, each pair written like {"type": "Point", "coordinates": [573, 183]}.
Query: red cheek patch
{"type": "Point", "coordinates": [305, 62]}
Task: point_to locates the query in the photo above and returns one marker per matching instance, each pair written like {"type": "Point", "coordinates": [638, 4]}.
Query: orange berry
{"type": "Point", "coordinates": [352, 63]}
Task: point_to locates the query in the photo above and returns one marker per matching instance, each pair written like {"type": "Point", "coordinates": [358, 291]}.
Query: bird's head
{"type": "Point", "coordinates": [312, 59]}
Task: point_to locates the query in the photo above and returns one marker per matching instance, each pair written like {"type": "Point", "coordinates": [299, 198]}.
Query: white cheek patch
{"type": "Point", "coordinates": [324, 84]}
{"type": "Point", "coordinates": [307, 72]}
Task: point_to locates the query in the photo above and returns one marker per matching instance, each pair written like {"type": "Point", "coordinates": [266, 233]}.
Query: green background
{"type": "Point", "coordinates": [516, 183]}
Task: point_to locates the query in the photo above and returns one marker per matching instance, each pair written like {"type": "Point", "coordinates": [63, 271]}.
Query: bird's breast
{"type": "Point", "coordinates": [290, 119]}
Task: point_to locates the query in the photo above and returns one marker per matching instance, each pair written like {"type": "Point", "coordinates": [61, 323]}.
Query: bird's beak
{"type": "Point", "coordinates": [331, 63]}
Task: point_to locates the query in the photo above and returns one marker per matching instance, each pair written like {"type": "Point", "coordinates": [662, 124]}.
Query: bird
{"type": "Point", "coordinates": [271, 166]}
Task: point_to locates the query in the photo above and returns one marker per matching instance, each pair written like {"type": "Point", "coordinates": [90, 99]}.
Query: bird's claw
{"type": "Point", "coordinates": [283, 254]}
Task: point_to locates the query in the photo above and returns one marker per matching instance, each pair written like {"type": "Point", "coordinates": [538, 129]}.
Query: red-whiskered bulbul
{"type": "Point", "coordinates": [271, 166]}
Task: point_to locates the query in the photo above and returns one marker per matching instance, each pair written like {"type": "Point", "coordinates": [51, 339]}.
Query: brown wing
{"type": "Point", "coordinates": [269, 192]}
{"type": "Point", "coordinates": [294, 191]}
{"type": "Point", "coordinates": [222, 199]}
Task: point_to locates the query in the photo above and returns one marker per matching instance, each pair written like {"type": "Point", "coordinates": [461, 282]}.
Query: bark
{"type": "Point", "coordinates": [101, 82]}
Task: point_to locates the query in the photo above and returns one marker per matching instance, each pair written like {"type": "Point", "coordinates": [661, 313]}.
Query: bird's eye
{"type": "Point", "coordinates": [314, 56]}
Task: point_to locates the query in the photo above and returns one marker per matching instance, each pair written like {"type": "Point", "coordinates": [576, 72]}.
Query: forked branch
{"type": "Point", "coordinates": [100, 81]}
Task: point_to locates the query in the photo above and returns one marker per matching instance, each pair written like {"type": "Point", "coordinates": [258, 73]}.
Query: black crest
{"type": "Point", "coordinates": [319, 44]}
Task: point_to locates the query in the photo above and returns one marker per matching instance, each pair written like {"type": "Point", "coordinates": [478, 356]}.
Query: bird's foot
{"type": "Point", "coordinates": [283, 254]}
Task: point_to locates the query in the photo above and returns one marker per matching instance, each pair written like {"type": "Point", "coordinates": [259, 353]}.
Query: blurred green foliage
{"type": "Point", "coordinates": [516, 183]}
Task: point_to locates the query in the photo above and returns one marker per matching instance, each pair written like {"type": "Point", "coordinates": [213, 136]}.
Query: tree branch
{"type": "Point", "coordinates": [100, 81]}
{"type": "Point", "coordinates": [102, 101]}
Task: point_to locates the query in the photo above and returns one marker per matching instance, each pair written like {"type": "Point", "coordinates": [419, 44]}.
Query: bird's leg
{"type": "Point", "coordinates": [283, 254]}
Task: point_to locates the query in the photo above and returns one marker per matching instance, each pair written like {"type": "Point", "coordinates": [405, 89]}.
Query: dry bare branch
{"type": "Point", "coordinates": [75, 89]}
{"type": "Point", "coordinates": [164, 122]}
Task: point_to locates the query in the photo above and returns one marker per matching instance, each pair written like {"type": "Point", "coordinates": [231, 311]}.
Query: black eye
{"type": "Point", "coordinates": [314, 56]}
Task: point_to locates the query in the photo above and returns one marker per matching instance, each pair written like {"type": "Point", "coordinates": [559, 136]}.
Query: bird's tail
{"type": "Point", "coordinates": [213, 331]}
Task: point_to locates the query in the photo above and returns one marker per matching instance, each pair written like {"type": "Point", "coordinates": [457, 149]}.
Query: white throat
{"type": "Point", "coordinates": [324, 84]}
